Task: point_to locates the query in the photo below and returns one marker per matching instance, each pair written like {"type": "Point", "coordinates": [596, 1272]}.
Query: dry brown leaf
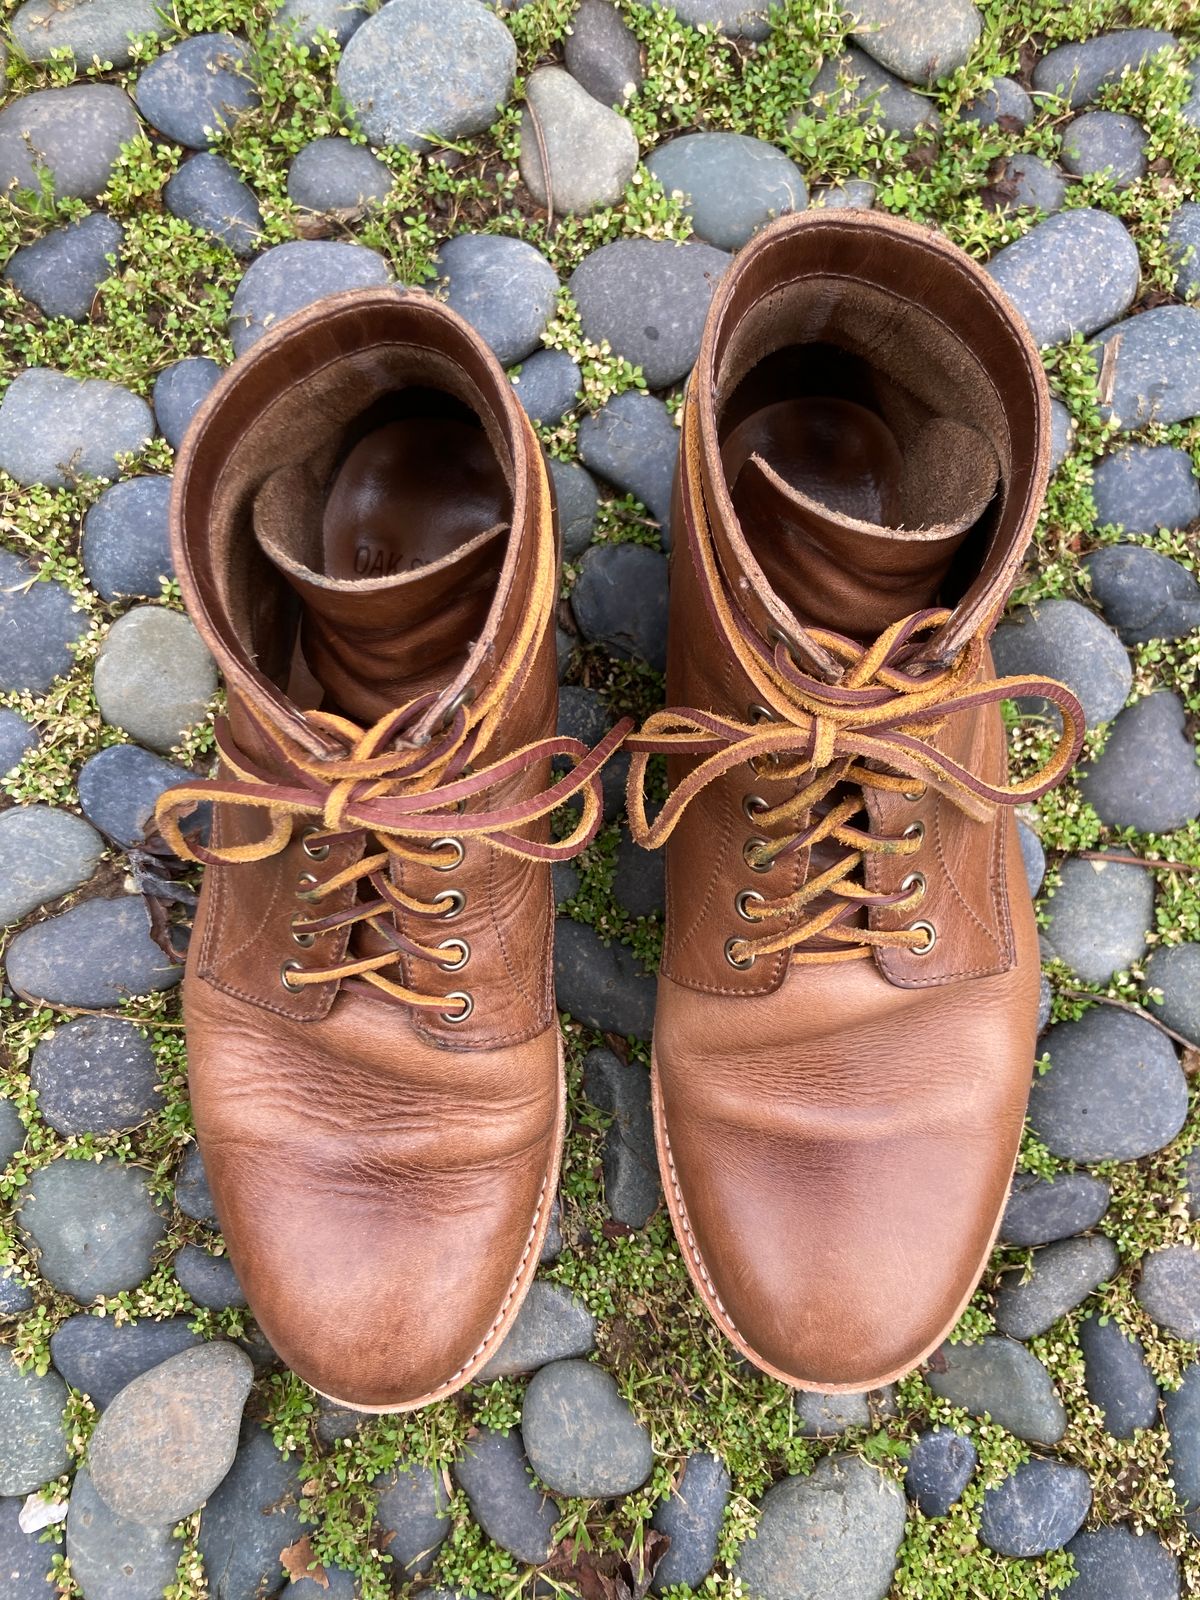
{"type": "Point", "coordinates": [299, 1562]}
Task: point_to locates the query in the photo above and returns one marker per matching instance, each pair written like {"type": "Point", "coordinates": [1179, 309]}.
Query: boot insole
{"type": "Point", "coordinates": [409, 494]}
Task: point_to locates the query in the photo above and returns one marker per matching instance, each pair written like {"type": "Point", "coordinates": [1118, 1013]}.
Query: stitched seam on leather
{"type": "Point", "coordinates": [952, 884]}
{"type": "Point", "coordinates": [518, 983]}
{"type": "Point", "coordinates": [718, 1305]}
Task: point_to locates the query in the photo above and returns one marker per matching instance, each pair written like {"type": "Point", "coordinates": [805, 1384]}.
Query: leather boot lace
{"type": "Point", "coordinates": [396, 799]}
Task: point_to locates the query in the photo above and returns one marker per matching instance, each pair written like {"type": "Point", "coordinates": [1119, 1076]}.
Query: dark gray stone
{"type": "Point", "coordinates": [1062, 1277]}
{"type": "Point", "coordinates": [834, 1532]}
{"type": "Point", "coordinates": [575, 492]}
{"type": "Point", "coordinates": [494, 1475]}
{"type": "Point", "coordinates": [552, 1325]}
{"type": "Point", "coordinates": [633, 443]}
{"type": "Point", "coordinates": [1114, 1090]}
{"type": "Point", "coordinates": [92, 30]}
{"type": "Point", "coordinates": [639, 880]}
{"type": "Point", "coordinates": [1108, 143]}
{"type": "Point", "coordinates": [581, 1436]}
{"type": "Point", "coordinates": [427, 71]}
{"type": "Point", "coordinates": [590, 149]}
{"type": "Point", "coordinates": [582, 714]}
{"type": "Point", "coordinates": [25, 1560]}
{"type": "Point", "coordinates": [852, 82]}
{"type": "Point", "coordinates": [548, 385]}
{"type": "Point", "coordinates": [552, 1244]}
{"type": "Point", "coordinates": [620, 601]}
{"type": "Point", "coordinates": [1004, 101]}
{"type": "Point", "coordinates": [1144, 595]}
{"type": "Point", "coordinates": [1175, 969]}
{"type": "Point", "coordinates": [1040, 1210]}
{"type": "Point", "coordinates": [1037, 1509]}
{"type": "Point", "coordinates": [631, 1182]}
{"type": "Point", "coordinates": [33, 1440]}
{"type": "Point", "coordinates": [918, 42]}
{"type": "Point", "coordinates": [17, 738]}
{"type": "Point", "coordinates": [1117, 1564]}
{"type": "Point", "coordinates": [1183, 238]}
{"type": "Point", "coordinates": [118, 789]}
{"type": "Point", "coordinates": [736, 18]}
{"type": "Point", "coordinates": [12, 1132]}
{"type": "Point", "coordinates": [1181, 1408]}
{"type": "Point", "coordinates": [1144, 487]}
{"type": "Point", "coordinates": [1033, 858]}
{"type": "Point", "coordinates": [1155, 369]}
{"type": "Point", "coordinates": [1099, 917]}
{"type": "Point", "coordinates": [732, 184]}
{"type": "Point", "coordinates": [126, 546]}
{"type": "Point", "coordinates": [154, 676]}
{"type": "Point", "coordinates": [61, 272]}
{"type": "Point", "coordinates": [16, 1297]}
{"type": "Point", "coordinates": [940, 1466]}
{"type": "Point", "coordinates": [334, 175]}
{"type": "Point", "coordinates": [649, 299]}
{"type": "Point", "coordinates": [602, 53]}
{"type": "Point", "coordinates": [1146, 777]}
{"type": "Point", "coordinates": [600, 985]}
{"type": "Point", "coordinates": [1062, 434]}
{"type": "Point", "coordinates": [503, 287]}
{"type": "Point", "coordinates": [111, 1558]}
{"type": "Point", "coordinates": [95, 1075]}
{"type": "Point", "coordinates": [852, 194]}
{"type": "Point", "coordinates": [209, 1280]}
{"type": "Point", "coordinates": [1028, 181]}
{"type": "Point", "coordinates": [92, 956]}
{"type": "Point", "coordinates": [179, 392]}
{"type": "Point", "coordinates": [74, 133]}
{"type": "Point", "coordinates": [55, 429]}
{"type": "Point", "coordinates": [1073, 273]}
{"type": "Point", "coordinates": [44, 853]}
{"type": "Point", "coordinates": [1169, 1290]}
{"type": "Point", "coordinates": [1078, 72]}
{"type": "Point", "coordinates": [208, 193]}
{"type": "Point", "coordinates": [306, 19]}
{"type": "Point", "coordinates": [167, 1440]}
{"type": "Point", "coordinates": [1000, 1379]}
{"type": "Point", "coordinates": [249, 1519]}
{"type": "Point", "coordinates": [1117, 1377]}
{"type": "Point", "coordinates": [691, 1518]}
{"type": "Point", "coordinates": [825, 1416]}
{"type": "Point", "coordinates": [1062, 639]}
{"type": "Point", "coordinates": [197, 88]}
{"type": "Point", "coordinates": [290, 276]}
{"type": "Point", "coordinates": [38, 625]}
{"type": "Point", "coordinates": [413, 1511]}
{"type": "Point", "coordinates": [100, 1356]}
{"type": "Point", "coordinates": [92, 1224]}
{"type": "Point", "coordinates": [192, 1193]}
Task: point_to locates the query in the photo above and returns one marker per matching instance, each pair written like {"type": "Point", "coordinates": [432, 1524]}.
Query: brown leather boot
{"type": "Point", "coordinates": [849, 988]}
{"type": "Point", "coordinates": [364, 532]}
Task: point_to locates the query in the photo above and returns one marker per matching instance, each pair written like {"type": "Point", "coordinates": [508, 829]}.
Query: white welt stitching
{"type": "Point", "coordinates": [692, 1247]}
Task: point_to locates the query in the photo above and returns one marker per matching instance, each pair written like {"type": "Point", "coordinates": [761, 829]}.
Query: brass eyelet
{"type": "Point", "coordinates": [746, 961]}
{"type": "Point", "coordinates": [745, 898]}
{"type": "Point", "coordinates": [913, 795]}
{"type": "Point", "coordinates": [304, 940]}
{"type": "Point", "coordinates": [464, 697]}
{"type": "Point", "coordinates": [464, 950]}
{"type": "Point", "coordinates": [930, 932]}
{"type": "Point", "coordinates": [456, 901]}
{"type": "Point", "coordinates": [777, 636]}
{"type": "Point", "coordinates": [306, 886]}
{"type": "Point", "coordinates": [448, 844]}
{"type": "Point", "coordinates": [915, 830]}
{"type": "Point", "coordinates": [291, 966]}
{"type": "Point", "coordinates": [314, 852]}
{"type": "Point", "coordinates": [467, 1006]}
{"type": "Point", "coordinates": [753, 804]}
{"type": "Point", "coordinates": [748, 854]}
{"type": "Point", "coordinates": [757, 712]}
{"type": "Point", "coordinates": [915, 880]}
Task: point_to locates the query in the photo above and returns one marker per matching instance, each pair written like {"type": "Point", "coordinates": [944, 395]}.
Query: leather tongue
{"type": "Point", "coordinates": [368, 645]}
{"type": "Point", "coordinates": [851, 533]}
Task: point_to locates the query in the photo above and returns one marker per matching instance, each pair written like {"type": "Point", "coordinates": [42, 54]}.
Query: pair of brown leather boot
{"type": "Point", "coordinates": [365, 534]}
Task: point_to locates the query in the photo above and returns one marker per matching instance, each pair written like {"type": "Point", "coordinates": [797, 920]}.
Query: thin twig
{"type": "Point", "coordinates": [536, 124]}
{"type": "Point", "coordinates": [1138, 861]}
{"type": "Point", "coordinates": [1133, 1009]}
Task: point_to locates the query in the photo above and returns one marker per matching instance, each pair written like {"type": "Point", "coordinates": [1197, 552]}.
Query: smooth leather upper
{"type": "Point", "coordinates": [838, 1136]}
{"type": "Point", "coordinates": [382, 1175]}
